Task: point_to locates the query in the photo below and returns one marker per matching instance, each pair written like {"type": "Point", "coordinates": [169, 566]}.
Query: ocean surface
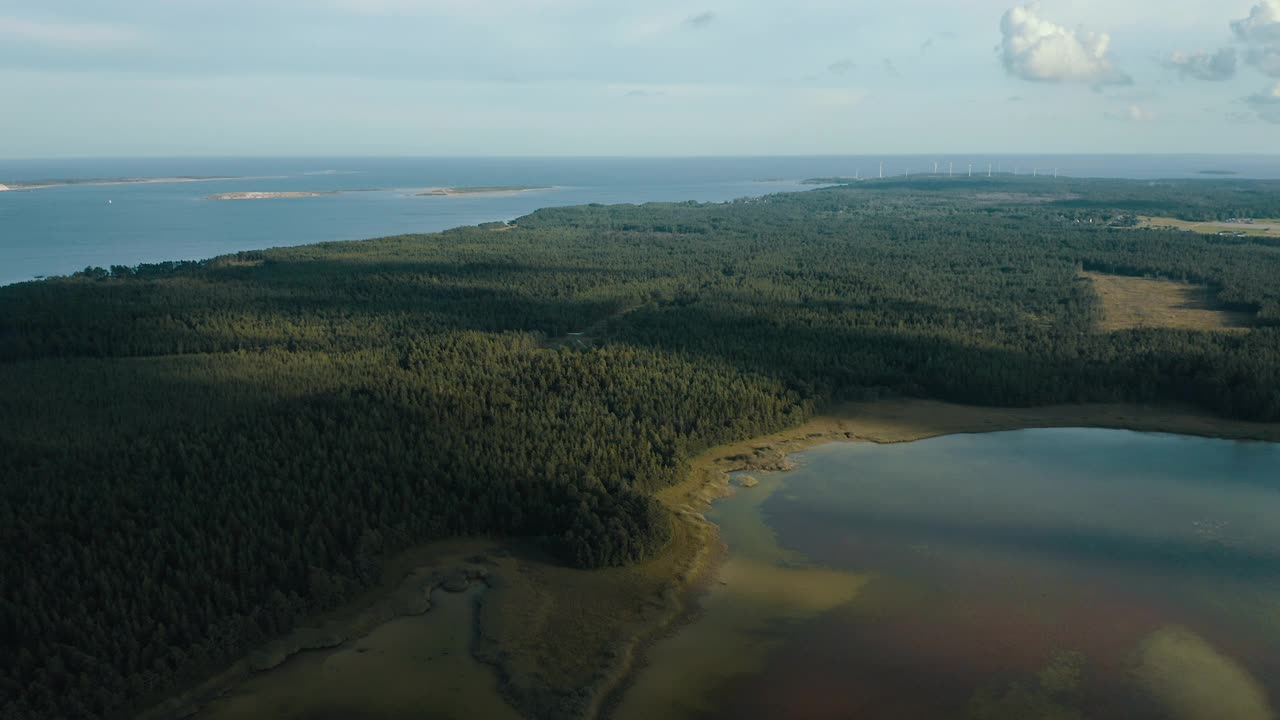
{"type": "Point", "coordinates": [1064, 573]}
{"type": "Point", "coordinates": [59, 230]}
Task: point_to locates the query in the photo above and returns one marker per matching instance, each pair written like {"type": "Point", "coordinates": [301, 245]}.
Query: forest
{"type": "Point", "coordinates": [195, 456]}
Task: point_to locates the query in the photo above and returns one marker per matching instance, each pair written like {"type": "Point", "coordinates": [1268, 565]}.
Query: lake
{"type": "Point", "coordinates": [59, 230]}
{"type": "Point", "coordinates": [1066, 573]}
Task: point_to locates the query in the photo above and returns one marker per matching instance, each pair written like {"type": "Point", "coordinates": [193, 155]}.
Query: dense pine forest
{"type": "Point", "coordinates": [195, 456]}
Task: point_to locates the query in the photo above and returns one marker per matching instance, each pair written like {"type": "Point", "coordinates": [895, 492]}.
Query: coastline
{"type": "Point", "coordinates": [617, 614]}
{"type": "Point", "coordinates": [882, 422]}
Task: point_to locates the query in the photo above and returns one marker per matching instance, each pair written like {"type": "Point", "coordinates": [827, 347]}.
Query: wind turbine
{"type": "Point", "coordinates": [951, 169]}
{"type": "Point", "coordinates": [881, 169]}
{"type": "Point", "coordinates": [935, 167]}
{"type": "Point", "coordinates": [988, 169]}
{"type": "Point", "coordinates": [970, 169]}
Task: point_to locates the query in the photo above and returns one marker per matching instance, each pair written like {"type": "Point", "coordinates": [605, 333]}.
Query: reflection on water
{"type": "Point", "coordinates": [1033, 574]}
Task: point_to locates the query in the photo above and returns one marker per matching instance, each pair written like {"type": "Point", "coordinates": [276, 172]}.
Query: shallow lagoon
{"type": "Point", "coordinates": [1061, 574]}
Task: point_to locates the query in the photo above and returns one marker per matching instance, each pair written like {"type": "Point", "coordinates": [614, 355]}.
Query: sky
{"type": "Point", "coordinates": [117, 78]}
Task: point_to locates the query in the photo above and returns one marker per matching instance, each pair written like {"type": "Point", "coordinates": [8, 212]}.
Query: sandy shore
{"type": "Point", "coordinates": [698, 549]}
{"type": "Point", "coordinates": [566, 643]}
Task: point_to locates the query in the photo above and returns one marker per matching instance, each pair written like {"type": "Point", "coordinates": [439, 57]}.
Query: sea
{"type": "Point", "coordinates": [58, 230]}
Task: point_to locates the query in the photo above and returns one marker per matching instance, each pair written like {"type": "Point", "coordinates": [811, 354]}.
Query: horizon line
{"type": "Point", "coordinates": [749, 156]}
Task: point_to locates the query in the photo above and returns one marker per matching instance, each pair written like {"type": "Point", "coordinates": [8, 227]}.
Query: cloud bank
{"type": "Point", "coordinates": [1261, 32]}
{"type": "Point", "coordinates": [1213, 67]}
{"type": "Point", "coordinates": [67, 35]}
{"type": "Point", "coordinates": [1040, 50]}
{"type": "Point", "coordinates": [1262, 26]}
{"type": "Point", "coordinates": [1267, 104]}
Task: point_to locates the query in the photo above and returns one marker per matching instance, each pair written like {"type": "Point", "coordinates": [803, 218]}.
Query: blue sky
{"type": "Point", "coordinates": [580, 77]}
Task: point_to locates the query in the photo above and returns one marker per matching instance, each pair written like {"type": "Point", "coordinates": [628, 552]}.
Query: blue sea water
{"type": "Point", "coordinates": [58, 230]}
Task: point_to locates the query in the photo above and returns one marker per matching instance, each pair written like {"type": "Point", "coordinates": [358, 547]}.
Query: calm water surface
{"type": "Point", "coordinates": [61, 230]}
{"type": "Point", "coordinates": [1034, 574]}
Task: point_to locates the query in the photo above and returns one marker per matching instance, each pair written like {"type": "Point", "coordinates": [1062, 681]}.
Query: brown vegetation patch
{"type": "Point", "coordinates": [1133, 302]}
{"type": "Point", "coordinates": [1023, 198]}
{"type": "Point", "coordinates": [1245, 227]}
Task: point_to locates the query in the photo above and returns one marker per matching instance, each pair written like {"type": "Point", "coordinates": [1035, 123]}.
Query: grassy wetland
{"type": "Point", "coordinates": [202, 461]}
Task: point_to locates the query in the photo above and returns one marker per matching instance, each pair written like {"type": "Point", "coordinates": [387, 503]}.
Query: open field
{"type": "Point", "coordinates": [1133, 302]}
{"type": "Point", "coordinates": [1257, 228]}
{"type": "Point", "coordinates": [565, 643]}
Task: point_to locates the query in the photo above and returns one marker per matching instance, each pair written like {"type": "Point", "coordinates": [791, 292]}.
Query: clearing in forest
{"type": "Point", "coordinates": [1133, 302]}
{"type": "Point", "coordinates": [1243, 228]}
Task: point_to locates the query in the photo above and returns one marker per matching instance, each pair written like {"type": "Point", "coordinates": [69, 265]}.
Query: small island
{"type": "Point", "coordinates": [1218, 172]}
{"type": "Point", "coordinates": [482, 190]}
{"type": "Point", "coordinates": [270, 195]}
{"type": "Point", "coordinates": [63, 182]}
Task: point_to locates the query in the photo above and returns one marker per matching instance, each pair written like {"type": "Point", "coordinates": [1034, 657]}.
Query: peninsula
{"type": "Point", "coordinates": [279, 428]}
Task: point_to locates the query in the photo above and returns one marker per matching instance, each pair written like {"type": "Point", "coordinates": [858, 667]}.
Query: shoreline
{"type": "Point", "coordinates": [502, 641]}
{"type": "Point", "coordinates": [882, 422]}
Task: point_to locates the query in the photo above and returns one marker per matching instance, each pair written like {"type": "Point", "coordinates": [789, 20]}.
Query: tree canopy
{"type": "Point", "coordinates": [194, 456]}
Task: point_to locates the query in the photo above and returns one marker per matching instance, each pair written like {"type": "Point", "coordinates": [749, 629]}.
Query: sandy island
{"type": "Point", "coordinates": [269, 195]}
{"type": "Point", "coordinates": [41, 184]}
{"type": "Point", "coordinates": [566, 643]}
{"type": "Point", "coordinates": [498, 190]}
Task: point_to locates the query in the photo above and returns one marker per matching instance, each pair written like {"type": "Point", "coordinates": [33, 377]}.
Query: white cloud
{"type": "Point", "coordinates": [1267, 104]}
{"type": "Point", "coordinates": [1261, 30]}
{"type": "Point", "coordinates": [1262, 27]}
{"type": "Point", "coordinates": [1266, 59]}
{"type": "Point", "coordinates": [1133, 113]}
{"type": "Point", "coordinates": [67, 35]}
{"type": "Point", "coordinates": [1040, 50]}
{"type": "Point", "coordinates": [1205, 66]}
